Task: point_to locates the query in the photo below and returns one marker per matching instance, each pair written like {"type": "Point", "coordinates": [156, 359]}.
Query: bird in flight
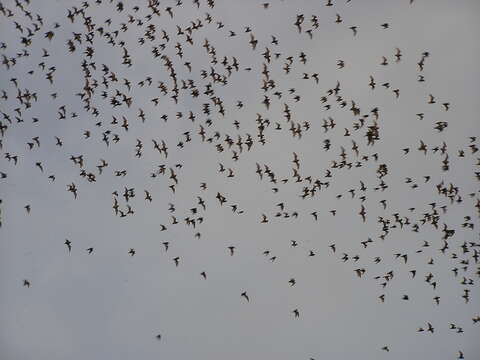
{"type": "Point", "coordinates": [133, 108]}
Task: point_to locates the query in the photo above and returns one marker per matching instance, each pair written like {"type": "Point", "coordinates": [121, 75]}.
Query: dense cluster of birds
{"type": "Point", "coordinates": [116, 103]}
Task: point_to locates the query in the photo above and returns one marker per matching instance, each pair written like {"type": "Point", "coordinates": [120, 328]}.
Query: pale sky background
{"type": "Point", "coordinates": [109, 305]}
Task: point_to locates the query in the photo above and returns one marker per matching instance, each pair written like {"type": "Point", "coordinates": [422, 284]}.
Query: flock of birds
{"type": "Point", "coordinates": [112, 101]}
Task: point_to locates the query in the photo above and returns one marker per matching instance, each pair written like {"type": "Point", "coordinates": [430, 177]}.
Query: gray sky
{"type": "Point", "coordinates": [110, 305]}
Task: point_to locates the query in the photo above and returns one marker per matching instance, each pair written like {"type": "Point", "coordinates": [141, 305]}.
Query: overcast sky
{"type": "Point", "coordinates": [111, 305]}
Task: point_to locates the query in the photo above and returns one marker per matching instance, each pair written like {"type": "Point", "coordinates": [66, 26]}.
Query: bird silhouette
{"type": "Point", "coordinates": [108, 100]}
